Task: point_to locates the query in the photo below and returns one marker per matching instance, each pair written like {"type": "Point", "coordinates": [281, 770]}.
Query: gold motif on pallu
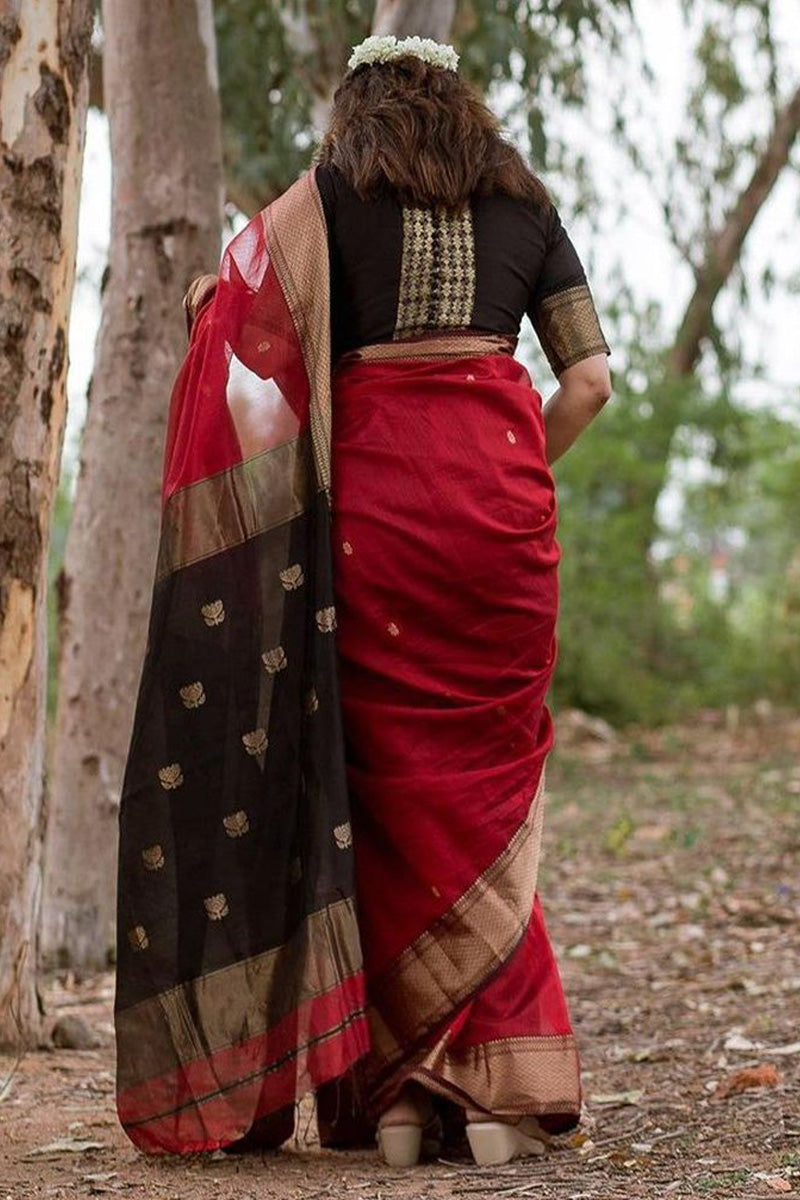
{"type": "Point", "coordinates": [216, 906]}
{"type": "Point", "coordinates": [236, 824]}
{"type": "Point", "coordinates": [255, 742]}
{"type": "Point", "coordinates": [138, 938]}
{"type": "Point", "coordinates": [292, 577]}
{"type": "Point", "coordinates": [193, 695]}
{"type": "Point", "coordinates": [568, 327]}
{"type": "Point", "coordinates": [275, 659]}
{"type": "Point", "coordinates": [343, 836]}
{"type": "Point", "coordinates": [213, 613]}
{"type": "Point", "coordinates": [311, 701]}
{"type": "Point", "coordinates": [171, 777]}
{"type": "Point", "coordinates": [153, 858]}
{"type": "Point", "coordinates": [326, 619]}
{"type": "Point", "coordinates": [437, 272]}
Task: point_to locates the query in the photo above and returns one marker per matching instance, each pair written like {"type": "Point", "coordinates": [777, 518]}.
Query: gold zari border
{"type": "Point", "coordinates": [297, 240]}
{"type": "Point", "coordinates": [449, 345]}
{"type": "Point", "coordinates": [568, 327]}
{"type": "Point", "coordinates": [226, 509]}
{"type": "Point", "coordinates": [452, 958]}
{"type": "Point", "coordinates": [521, 1076]}
{"type": "Point", "coordinates": [237, 1002]}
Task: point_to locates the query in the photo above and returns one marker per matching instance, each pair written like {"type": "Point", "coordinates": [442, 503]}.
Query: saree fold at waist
{"type": "Point", "coordinates": [445, 572]}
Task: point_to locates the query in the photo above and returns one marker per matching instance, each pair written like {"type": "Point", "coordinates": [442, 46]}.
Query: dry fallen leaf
{"type": "Point", "coordinates": [632, 1097]}
{"type": "Point", "coordinates": [778, 1184]}
{"type": "Point", "coordinates": [66, 1146]}
{"type": "Point", "coordinates": [765, 1075]}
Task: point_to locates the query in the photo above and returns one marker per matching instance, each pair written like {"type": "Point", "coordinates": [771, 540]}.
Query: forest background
{"type": "Point", "coordinates": [667, 134]}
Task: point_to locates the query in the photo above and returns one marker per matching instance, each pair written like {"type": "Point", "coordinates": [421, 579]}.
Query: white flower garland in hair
{"type": "Point", "coordinates": [377, 49]}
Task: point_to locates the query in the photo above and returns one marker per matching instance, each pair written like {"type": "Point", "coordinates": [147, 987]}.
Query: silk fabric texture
{"type": "Point", "coordinates": [332, 808]}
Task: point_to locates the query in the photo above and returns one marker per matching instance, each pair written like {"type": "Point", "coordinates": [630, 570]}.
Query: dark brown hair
{"type": "Point", "coordinates": [423, 132]}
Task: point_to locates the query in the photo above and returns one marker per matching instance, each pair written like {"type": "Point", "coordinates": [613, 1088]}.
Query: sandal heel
{"type": "Point", "coordinates": [494, 1143]}
{"type": "Point", "coordinates": [400, 1145]}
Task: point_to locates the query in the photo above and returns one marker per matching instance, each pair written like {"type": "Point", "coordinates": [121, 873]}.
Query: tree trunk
{"type": "Point", "coordinates": [403, 18]}
{"type": "Point", "coordinates": [43, 100]}
{"type": "Point", "coordinates": [160, 89]}
{"type": "Point", "coordinates": [425, 18]}
{"type": "Point", "coordinates": [724, 248]}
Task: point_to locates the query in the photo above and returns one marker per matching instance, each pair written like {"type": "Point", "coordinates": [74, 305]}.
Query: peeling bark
{"type": "Point", "coordinates": [43, 100]}
{"type": "Point", "coordinates": [160, 90]}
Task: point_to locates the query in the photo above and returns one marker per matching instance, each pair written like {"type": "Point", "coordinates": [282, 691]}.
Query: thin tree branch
{"type": "Point", "coordinates": [724, 247]}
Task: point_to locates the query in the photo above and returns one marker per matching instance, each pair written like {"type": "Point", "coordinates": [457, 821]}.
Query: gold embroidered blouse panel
{"type": "Point", "coordinates": [437, 273]}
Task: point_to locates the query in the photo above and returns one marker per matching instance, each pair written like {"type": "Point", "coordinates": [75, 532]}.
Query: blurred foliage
{"type": "Point", "coordinates": [277, 59]}
{"type": "Point", "coordinates": [657, 623]}
{"type": "Point", "coordinates": [657, 619]}
{"type": "Point", "coordinates": [654, 622]}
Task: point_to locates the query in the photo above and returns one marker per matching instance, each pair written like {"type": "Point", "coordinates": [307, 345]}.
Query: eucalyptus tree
{"type": "Point", "coordinates": [43, 101]}
{"type": "Point", "coordinates": [160, 93]}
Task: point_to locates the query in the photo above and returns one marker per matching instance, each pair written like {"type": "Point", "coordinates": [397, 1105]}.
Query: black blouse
{"type": "Point", "coordinates": [399, 271]}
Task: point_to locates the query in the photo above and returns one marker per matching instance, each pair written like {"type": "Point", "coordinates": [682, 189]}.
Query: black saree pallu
{"type": "Point", "coordinates": [239, 971]}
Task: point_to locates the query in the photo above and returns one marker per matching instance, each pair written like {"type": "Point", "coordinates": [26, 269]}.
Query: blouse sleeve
{"type": "Point", "coordinates": [561, 307]}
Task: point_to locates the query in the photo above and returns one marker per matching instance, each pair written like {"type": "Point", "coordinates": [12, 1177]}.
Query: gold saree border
{"type": "Point", "coordinates": [454, 956]}
{"type": "Point", "coordinates": [519, 1076]}
{"type": "Point", "coordinates": [461, 344]}
{"type": "Point", "coordinates": [226, 509]}
{"type": "Point", "coordinates": [568, 327]}
{"type": "Point", "coordinates": [297, 241]}
{"type": "Point", "coordinates": [158, 1034]}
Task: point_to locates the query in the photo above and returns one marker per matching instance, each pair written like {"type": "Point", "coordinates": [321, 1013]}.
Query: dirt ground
{"type": "Point", "coordinates": [671, 883]}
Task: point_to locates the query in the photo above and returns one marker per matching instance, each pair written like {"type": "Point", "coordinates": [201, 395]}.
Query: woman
{"type": "Point", "coordinates": [331, 817]}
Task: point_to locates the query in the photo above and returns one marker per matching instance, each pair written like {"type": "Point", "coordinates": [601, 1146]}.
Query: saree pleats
{"type": "Point", "coordinates": [445, 570]}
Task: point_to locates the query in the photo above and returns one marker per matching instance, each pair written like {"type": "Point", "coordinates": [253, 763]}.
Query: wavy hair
{"type": "Point", "coordinates": [424, 133]}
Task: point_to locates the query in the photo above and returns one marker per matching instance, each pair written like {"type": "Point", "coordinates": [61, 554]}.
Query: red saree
{"type": "Point", "coordinates": [341, 733]}
{"type": "Point", "coordinates": [445, 570]}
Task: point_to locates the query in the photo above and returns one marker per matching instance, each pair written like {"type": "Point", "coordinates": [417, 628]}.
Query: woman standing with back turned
{"type": "Point", "coordinates": [330, 825]}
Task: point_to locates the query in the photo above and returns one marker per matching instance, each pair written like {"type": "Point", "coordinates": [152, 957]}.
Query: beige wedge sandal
{"type": "Point", "coordinates": [409, 1129]}
{"type": "Point", "coordinates": [495, 1141]}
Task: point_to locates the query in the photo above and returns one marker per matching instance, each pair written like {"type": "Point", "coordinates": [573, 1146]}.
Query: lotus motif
{"type": "Point", "coordinates": [153, 858]}
{"type": "Point", "coordinates": [217, 906]}
{"type": "Point", "coordinates": [236, 824]}
{"type": "Point", "coordinates": [171, 777]}
{"type": "Point", "coordinates": [193, 695]}
{"type": "Point", "coordinates": [292, 577]}
{"type": "Point", "coordinates": [213, 613]}
{"type": "Point", "coordinates": [343, 835]}
{"type": "Point", "coordinates": [138, 937]}
{"type": "Point", "coordinates": [274, 660]}
{"type": "Point", "coordinates": [326, 619]}
{"type": "Point", "coordinates": [255, 742]}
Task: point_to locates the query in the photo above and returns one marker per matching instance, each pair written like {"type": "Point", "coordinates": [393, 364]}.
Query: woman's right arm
{"type": "Point", "coordinates": [568, 328]}
{"type": "Point", "coordinates": [582, 391]}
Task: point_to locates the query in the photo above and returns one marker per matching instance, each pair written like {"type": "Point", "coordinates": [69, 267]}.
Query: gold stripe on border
{"type": "Point", "coordinates": [231, 1005]}
{"type": "Point", "coordinates": [450, 960]}
{"type": "Point", "coordinates": [226, 509]}
{"type": "Point", "coordinates": [450, 345]}
{"type": "Point", "coordinates": [297, 241]}
{"type": "Point", "coordinates": [520, 1076]}
{"type": "Point", "coordinates": [568, 327]}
